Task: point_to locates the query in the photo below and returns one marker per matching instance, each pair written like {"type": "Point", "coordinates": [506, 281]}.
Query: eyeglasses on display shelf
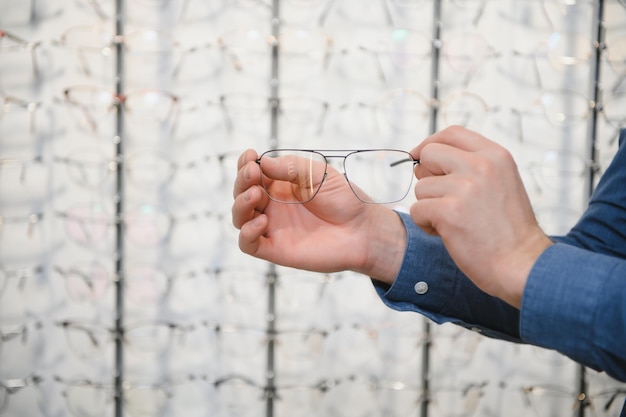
{"type": "Point", "coordinates": [145, 169]}
{"type": "Point", "coordinates": [87, 398]}
{"type": "Point", "coordinates": [615, 54]}
{"type": "Point", "coordinates": [305, 113]}
{"type": "Point", "coordinates": [561, 109]}
{"type": "Point", "coordinates": [14, 386]}
{"type": "Point", "coordinates": [20, 165]}
{"type": "Point", "coordinates": [463, 399]}
{"type": "Point", "coordinates": [559, 53]}
{"type": "Point", "coordinates": [453, 347]}
{"type": "Point", "coordinates": [541, 399]}
{"type": "Point", "coordinates": [156, 50]}
{"type": "Point", "coordinates": [11, 335]}
{"type": "Point", "coordinates": [557, 168]}
{"type": "Point", "coordinates": [305, 297]}
{"type": "Point", "coordinates": [14, 50]}
{"type": "Point", "coordinates": [145, 284]}
{"type": "Point", "coordinates": [303, 53]}
{"type": "Point", "coordinates": [380, 176]}
{"type": "Point", "coordinates": [352, 345]}
{"type": "Point", "coordinates": [151, 107]}
{"type": "Point", "coordinates": [146, 225]}
{"type": "Point", "coordinates": [611, 108]}
{"type": "Point", "coordinates": [14, 108]}
{"type": "Point", "coordinates": [144, 340]}
{"type": "Point", "coordinates": [544, 15]}
{"type": "Point", "coordinates": [369, 395]}
{"type": "Point", "coordinates": [28, 222]}
{"type": "Point", "coordinates": [238, 395]}
{"type": "Point", "coordinates": [406, 111]}
{"type": "Point", "coordinates": [19, 275]}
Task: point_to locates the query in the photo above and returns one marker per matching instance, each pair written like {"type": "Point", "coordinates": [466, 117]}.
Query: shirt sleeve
{"type": "Point", "coordinates": [575, 302]}
{"type": "Point", "coordinates": [431, 284]}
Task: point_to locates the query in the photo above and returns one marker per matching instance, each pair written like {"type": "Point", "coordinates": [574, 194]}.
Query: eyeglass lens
{"type": "Point", "coordinates": [375, 176]}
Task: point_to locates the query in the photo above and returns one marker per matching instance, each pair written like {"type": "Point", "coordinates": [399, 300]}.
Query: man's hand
{"type": "Point", "coordinates": [334, 231]}
{"type": "Point", "coordinates": [470, 194]}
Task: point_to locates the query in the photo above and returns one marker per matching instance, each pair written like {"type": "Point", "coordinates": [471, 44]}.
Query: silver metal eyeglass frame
{"type": "Point", "coordinates": [327, 154]}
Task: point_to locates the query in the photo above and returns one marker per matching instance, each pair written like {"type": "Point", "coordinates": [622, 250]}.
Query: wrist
{"type": "Point", "coordinates": [385, 245]}
{"type": "Point", "coordinates": [516, 268]}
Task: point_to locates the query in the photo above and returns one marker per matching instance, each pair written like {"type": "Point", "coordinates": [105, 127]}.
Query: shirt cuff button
{"type": "Point", "coordinates": [421, 288]}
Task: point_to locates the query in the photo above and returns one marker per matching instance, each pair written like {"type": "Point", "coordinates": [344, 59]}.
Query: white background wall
{"type": "Point", "coordinates": [341, 65]}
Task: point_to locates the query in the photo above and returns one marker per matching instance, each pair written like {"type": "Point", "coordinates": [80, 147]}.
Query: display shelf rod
{"type": "Point", "coordinates": [433, 114]}
{"type": "Point", "coordinates": [118, 142]}
{"type": "Point", "coordinates": [598, 29]}
{"type": "Point", "coordinates": [270, 372]}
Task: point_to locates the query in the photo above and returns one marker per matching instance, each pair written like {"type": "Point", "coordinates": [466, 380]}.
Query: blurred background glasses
{"type": "Point", "coordinates": [544, 399]}
{"type": "Point", "coordinates": [375, 176]}
{"type": "Point", "coordinates": [148, 105]}
{"type": "Point", "coordinates": [303, 53]}
{"type": "Point", "coordinates": [31, 221]}
{"type": "Point", "coordinates": [86, 398]}
{"type": "Point", "coordinates": [21, 275]}
{"type": "Point", "coordinates": [558, 169]}
{"type": "Point", "coordinates": [12, 49]}
{"type": "Point", "coordinates": [156, 49]}
{"type": "Point", "coordinates": [405, 111]}
{"type": "Point", "coordinates": [16, 108]}
{"type": "Point", "coordinates": [13, 386]}
{"type": "Point", "coordinates": [562, 109]}
{"type": "Point", "coordinates": [304, 113]}
{"type": "Point", "coordinates": [145, 340]}
{"type": "Point", "coordinates": [144, 285]}
{"type": "Point", "coordinates": [146, 225]}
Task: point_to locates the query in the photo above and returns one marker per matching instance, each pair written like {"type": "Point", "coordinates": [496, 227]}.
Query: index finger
{"type": "Point", "coordinates": [247, 156]}
{"type": "Point", "coordinates": [456, 137]}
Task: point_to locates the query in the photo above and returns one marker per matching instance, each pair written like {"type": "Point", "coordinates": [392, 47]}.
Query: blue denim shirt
{"type": "Point", "coordinates": [575, 297]}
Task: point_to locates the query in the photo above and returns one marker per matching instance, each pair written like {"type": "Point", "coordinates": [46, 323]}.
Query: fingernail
{"type": "Point", "coordinates": [246, 195]}
{"type": "Point", "coordinates": [246, 174]}
{"type": "Point", "coordinates": [256, 222]}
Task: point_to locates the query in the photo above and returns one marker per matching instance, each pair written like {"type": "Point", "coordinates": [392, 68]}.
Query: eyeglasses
{"type": "Point", "coordinates": [379, 176]}
{"type": "Point", "coordinates": [31, 219]}
{"type": "Point", "coordinates": [303, 53]}
{"type": "Point", "coordinates": [147, 225]}
{"type": "Point", "coordinates": [10, 107]}
{"type": "Point", "coordinates": [563, 109]}
{"type": "Point", "coordinates": [304, 112]}
{"type": "Point", "coordinates": [20, 274]}
{"type": "Point", "coordinates": [559, 169]}
{"type": "Point", "coordinates": [86, 398]}
{"type": "Point", "coordinates": [144, 284]}
{"type": "Point", "coordinates": [144, 340]}
{"type": "Point", "coordinates": [147, 105]}
{"type": "Point", "coordinates": [10, 43]}
{"type": "Point", "coordinates": [405, 50]}
{"type": "Point", "coordinates": [544, 14]}
{"type": "Point", "coordinates": [404, 110]}
{"type": "Point", "coordinates": [20, 333]}
{"type": "Point", "coordinates": [542, 399]}
{"type": "Point", "coordinates": [12, 386]}
{"type": "Point", "coordinates": [154, 48]}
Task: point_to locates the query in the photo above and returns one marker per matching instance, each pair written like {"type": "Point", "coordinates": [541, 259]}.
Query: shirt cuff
{"type": "Point", "coordinates": [418, 286]}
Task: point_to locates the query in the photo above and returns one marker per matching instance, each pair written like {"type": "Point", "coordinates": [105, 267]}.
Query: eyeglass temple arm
{"type": "Point", "coordinates": [401, 161]}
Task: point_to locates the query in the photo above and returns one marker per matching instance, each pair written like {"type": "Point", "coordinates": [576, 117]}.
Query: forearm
{"type": "Point", "coordinates": [575, 302]}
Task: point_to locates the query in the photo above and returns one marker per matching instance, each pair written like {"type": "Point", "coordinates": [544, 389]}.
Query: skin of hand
{"type": "Point", "coordinates": [469, 193]}
{"type": "Point", "coordinates": [334, 231]}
